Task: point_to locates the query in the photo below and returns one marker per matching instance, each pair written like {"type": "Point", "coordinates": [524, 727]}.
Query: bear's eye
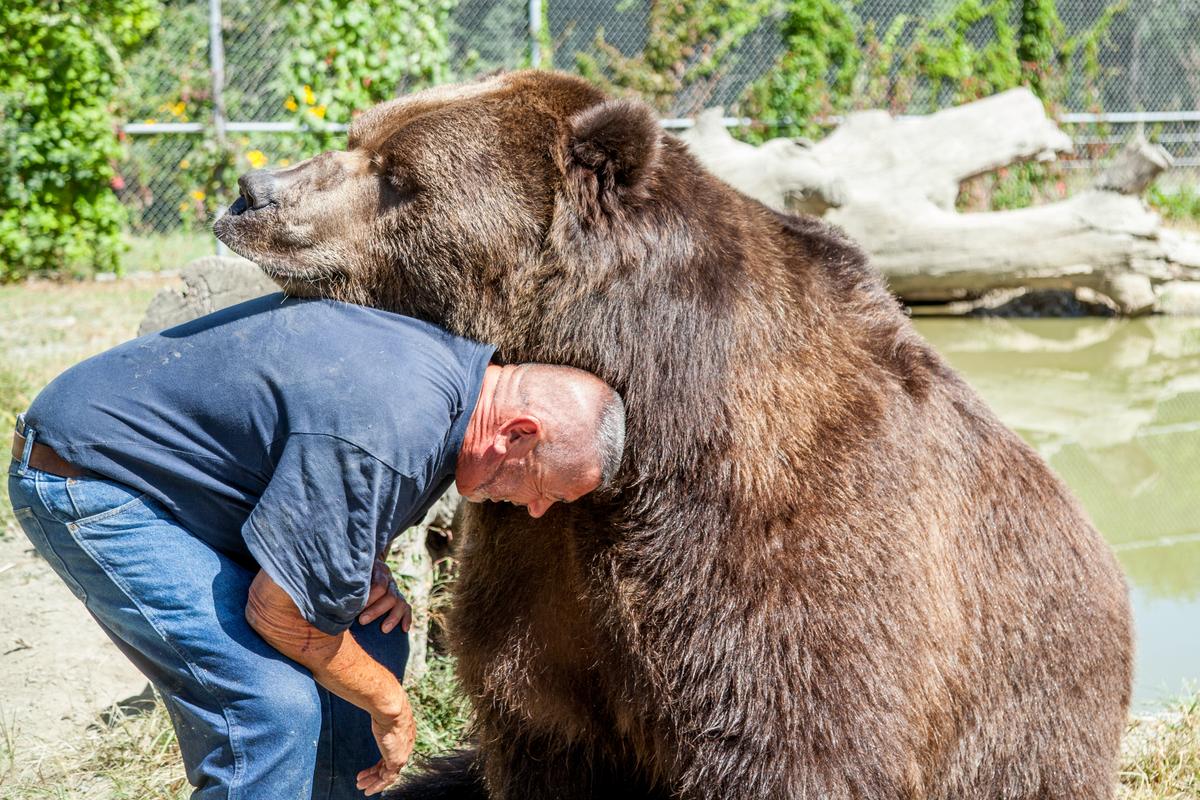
{"type": "Point", "coordinates": [402, 182]}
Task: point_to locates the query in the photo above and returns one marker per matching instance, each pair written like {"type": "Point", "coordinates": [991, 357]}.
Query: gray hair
{"type": "Point", "coordinates": [610, 439]}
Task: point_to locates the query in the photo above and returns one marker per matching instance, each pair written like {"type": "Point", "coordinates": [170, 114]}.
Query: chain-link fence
{"type": "Point", "coordinates": [1144, 75]}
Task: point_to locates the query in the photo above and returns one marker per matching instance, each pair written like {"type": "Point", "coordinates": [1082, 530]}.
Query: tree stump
{"type": "Point", "coordinates": [209, 283]}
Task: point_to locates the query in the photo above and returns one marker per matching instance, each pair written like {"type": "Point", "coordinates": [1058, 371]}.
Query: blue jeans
{"type": "Point", "coordinates": [251, 723]}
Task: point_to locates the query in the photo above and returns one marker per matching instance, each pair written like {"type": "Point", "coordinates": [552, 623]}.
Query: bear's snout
{"type": "Point", "coordinates": [257, 189]}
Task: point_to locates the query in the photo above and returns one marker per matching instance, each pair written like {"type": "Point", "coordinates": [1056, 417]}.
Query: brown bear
{"type": "Point", "coordinates": [827, 571]}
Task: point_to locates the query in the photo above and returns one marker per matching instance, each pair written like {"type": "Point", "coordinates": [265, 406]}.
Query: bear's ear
{"type": "Point", "coordinates": [612, 153]}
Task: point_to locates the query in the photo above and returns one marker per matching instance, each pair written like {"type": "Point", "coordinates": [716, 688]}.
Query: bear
{"type": "Point", "coordinates": [826, 570]}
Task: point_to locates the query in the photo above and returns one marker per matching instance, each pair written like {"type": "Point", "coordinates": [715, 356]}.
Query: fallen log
{"type": "Point", "coordinates": [891, 184]}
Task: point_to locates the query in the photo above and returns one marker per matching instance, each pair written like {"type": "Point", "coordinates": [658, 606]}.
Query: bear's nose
{"type": "Point", "coordinates": [258, 188]}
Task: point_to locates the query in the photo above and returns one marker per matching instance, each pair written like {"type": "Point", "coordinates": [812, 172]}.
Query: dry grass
{"type": "Point", "coordinates": [46, 326]}
{"type": "Point", "coordinates": [137, 757]}
{"type": "Point", "coordinates": [1161, 755]}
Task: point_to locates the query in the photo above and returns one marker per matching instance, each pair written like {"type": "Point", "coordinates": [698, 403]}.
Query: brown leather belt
{"type": "Point", "coordinates": [44, 458]}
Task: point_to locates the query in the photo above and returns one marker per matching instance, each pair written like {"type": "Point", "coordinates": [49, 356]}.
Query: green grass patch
{"type": "Point", "coordinates": [441, 709]}
{"type": "Point", "coordinates": [166, 251]}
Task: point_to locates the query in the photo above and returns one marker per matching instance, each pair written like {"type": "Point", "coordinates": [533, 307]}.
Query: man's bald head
{"type": "Point", "coordinates": [541, 434]}
{"type": "Point", "coordinates": [587, 418]}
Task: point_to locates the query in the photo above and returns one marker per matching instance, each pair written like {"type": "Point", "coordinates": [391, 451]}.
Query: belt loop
{"type": "Point", "coordinates": [30, 434]}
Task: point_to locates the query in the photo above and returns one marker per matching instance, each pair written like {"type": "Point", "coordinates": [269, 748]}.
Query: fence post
{"type": "Point", "coordinates": [535, 33]}
{"type": "Point", "coordinates": [216, 58]}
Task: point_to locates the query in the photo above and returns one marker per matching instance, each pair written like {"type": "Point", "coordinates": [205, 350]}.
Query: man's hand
{"type": "Point", "coordinates": [385, 598]}
{"type": "Point", "coordinates": [340, 665]}
{"type": "Point", "coordinates": [395, 737]}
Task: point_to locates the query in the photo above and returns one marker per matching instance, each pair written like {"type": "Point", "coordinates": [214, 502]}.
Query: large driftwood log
{"type": "Point", "coordinates": [891, 185]}
{"type": "Point", "coordinates": [214, 282]}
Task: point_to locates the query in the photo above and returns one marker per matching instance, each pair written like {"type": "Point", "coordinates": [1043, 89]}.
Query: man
{"type": "Point", "coordinates": [221, 496]}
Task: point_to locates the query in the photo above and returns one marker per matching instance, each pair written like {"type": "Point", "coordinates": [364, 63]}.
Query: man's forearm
{"type": "Point", "coordinates": [337, 662]}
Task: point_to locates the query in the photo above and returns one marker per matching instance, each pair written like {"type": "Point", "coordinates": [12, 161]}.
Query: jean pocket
{"type": "Point", "coordinates": [41, 542]}
{"type": "Point", "coordinates": [94, 500]}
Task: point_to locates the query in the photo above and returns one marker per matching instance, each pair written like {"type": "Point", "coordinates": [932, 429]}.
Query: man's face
{"type": "Point", "coordinates": [527, 482]}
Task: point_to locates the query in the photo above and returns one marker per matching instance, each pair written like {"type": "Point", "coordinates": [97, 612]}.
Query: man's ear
{"type": "Point", "coordinates": [611, 155]}
{"type": "Point", "coordinates": [517, 436]}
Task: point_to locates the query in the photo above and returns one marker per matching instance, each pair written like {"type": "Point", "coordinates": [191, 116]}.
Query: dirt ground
{"type": "Point", "coordinates": [58, 672]}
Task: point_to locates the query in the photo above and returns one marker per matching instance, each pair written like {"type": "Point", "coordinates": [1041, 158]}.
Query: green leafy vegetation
{"type": "Point", "coordinates": [60, 68]}
{"type": "Point", "coordinates": [73, 69]}
{"type": "Point", "coordinates": [1181, 204]}
{"type": "Point", "coordinates": [346, 55]}
{"type": "Point", "coordinates": [688, 46]}
{"type": "Point", "coordinates": [1018, 186]}
{"type": "Point", "coordinates": [814, 78]}
{"type": "Point", "coordinates": [833, 61]}
{"type": "Point", "coordinates": [836, 62]}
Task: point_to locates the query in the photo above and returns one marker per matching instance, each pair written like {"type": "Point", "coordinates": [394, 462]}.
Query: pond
{"type": "Point", "coordinates": [1114, 407]}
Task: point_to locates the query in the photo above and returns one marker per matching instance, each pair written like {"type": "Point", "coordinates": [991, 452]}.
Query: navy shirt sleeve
{"type": "Point", "coordinates": [329, 509]}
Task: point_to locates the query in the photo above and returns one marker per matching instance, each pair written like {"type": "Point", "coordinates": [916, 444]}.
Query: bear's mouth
{"type": "Point", "coordinates": [240, 225]}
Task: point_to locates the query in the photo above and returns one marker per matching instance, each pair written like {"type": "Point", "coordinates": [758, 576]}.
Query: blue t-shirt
{"type": "Point", "coordinates": [298, 435]}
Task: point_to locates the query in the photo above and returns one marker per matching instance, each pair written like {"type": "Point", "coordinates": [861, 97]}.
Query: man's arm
{"type": "Point", "coordinates": [340, 665]}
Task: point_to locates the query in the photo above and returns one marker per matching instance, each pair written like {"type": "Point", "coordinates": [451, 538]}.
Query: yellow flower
{"type": "Point", "coordinates": [309, 97]}
{"type": "Point", "coordinates": [198, 196]}
{"type": "Point", "coordinates": [183, 206]}
{"type": "Point", "coordinates": [283, 162]}
{"type": "Point", "coordinates": [149, 121]}
{"type": "Point", "coordinates": [317, 111]}
{"type": "Point", "coordinates": [184, 164]}
{"type": "Point", "coordinates": [257, 158]}
{"type": "Point", "coordinates": [178, 109]}
{"type": "Point", "coordinates": [290, 104]}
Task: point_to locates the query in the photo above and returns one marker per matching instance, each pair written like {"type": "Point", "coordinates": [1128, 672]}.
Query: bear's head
{"type": "Point", "coordinates": [451, 204]}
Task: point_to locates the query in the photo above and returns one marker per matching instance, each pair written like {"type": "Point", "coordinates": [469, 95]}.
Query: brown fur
{"type": "Point", "coordinates": [828, 571]}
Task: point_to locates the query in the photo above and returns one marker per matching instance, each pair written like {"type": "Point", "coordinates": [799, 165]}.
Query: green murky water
{"type": "Point", "coordinates": [1114, 406]}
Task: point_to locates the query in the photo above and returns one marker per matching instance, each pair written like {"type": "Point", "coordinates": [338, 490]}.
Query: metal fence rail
{"type": "Point", "coordinates": [211, 73]}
